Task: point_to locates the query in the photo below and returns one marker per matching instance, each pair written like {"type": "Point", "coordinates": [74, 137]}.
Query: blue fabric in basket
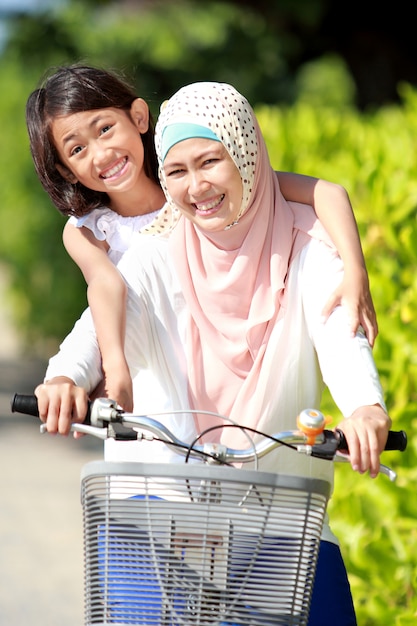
{"type": "Point", "coordinates": [134, 596]}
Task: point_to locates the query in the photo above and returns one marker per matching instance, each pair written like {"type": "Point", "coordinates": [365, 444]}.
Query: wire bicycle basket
{"type": "Point", "coordinates": [173, 544]}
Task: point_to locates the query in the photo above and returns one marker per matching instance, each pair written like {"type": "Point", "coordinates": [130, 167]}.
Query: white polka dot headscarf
{"type": "Point", "coordinates": [226, 113]}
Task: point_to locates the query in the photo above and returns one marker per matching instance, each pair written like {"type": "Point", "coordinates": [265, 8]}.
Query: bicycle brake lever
{"type": "Point", "coordinates": [383, 469]}
{"type": "Point", "coordinates": [100, 433]}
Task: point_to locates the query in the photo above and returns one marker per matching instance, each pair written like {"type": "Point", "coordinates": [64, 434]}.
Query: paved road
{"type": "Point", "coordinates": [41, 558]}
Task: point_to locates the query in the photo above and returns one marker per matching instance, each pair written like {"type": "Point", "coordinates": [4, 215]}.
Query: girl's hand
{"type": "Point", "coordinates": [366, 432]}
{"type": "Point", "coordinates": [353, 293]}
{"type": "Point", "coordinates": [117, 385]}
{"type": "Point", "coordinates": [61, 403]}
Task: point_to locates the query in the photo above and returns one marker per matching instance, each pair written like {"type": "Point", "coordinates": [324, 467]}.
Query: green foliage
{"type": "Point", "coordinates": [163, 45]}
{"type": "Point", "coordinates": [47, 290]}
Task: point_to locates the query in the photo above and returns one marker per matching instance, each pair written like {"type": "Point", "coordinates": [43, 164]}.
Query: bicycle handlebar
{"type": "Point", "coordinates": [28, 405]}
{"type": "Point", "coordinates": [105, 419]}
{"type": "Point", "coordinates": [396, 440]}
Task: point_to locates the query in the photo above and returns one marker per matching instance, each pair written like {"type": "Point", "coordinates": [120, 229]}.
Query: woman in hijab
{"type": "Point", "coordinates": [233, 298]}
{"type": "Point", "coordinates": [255, 271]}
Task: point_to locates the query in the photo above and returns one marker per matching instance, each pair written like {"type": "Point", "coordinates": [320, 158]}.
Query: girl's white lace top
{"type": "Point", "coordinates": [117, 230]}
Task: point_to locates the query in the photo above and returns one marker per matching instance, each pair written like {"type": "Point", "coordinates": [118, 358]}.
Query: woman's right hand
{"type": "Point", "coordinates": [60, 403]}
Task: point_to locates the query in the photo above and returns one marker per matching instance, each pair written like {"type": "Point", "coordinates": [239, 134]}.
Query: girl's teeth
{"type": "Point", "coordinates": [114, 169]}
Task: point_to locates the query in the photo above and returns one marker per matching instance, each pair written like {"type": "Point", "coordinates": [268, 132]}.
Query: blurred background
{"type": "Point", "coordinates": [334, 86]}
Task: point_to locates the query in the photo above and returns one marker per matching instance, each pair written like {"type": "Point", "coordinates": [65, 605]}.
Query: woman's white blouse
{"type": "Point", "coordinates": [316, 353]}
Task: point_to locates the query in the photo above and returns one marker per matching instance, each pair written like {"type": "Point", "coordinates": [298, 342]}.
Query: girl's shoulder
{"type": "Point", "coordinates": [117, 230]}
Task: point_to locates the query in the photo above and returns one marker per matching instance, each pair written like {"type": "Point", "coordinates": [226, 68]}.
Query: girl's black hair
{"type": "Point", "coordinates": [73, 89]}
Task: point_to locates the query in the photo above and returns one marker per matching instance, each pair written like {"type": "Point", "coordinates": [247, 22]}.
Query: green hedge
{"type": "Point", "coordinates": [47, 290]}
{"type": "Point", "coordinates": [374, 156]}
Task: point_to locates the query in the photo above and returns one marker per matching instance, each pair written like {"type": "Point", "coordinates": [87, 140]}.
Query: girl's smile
{"type": "Point", "coordinates": [98, 146]}
{"type": "Point", "coordinates": [115, 170]}
{"type": "Point", "coordinates": [102, 149]}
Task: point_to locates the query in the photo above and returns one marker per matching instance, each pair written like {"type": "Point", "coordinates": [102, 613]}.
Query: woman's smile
{"type": "Point", "coordinates": [204, 182]}
{"type": "Point", "coordinates": [209, 207]}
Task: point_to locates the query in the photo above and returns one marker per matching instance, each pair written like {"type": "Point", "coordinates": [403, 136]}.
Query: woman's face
{"type": "Point", "coordinates": [204, 183]}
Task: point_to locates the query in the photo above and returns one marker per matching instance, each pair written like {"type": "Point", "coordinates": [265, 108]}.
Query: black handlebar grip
{"type": "Point", "coordinates": [28, 405]}
{"type": "Point", "coordinates": [397, 440]}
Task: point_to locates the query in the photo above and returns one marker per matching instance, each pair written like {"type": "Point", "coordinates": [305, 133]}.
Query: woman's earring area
{"type": "Point", "coordinates": [232, 224]}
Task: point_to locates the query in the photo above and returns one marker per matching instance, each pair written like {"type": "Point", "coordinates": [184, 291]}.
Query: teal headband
{"type": "Point", "coordinates": [174, 133]}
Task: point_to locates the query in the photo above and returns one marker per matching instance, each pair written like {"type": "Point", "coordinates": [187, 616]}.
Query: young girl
{"type": "Point", "coordinates": [92, 144]}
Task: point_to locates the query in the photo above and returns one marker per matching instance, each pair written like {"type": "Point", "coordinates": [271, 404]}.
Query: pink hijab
{"type": "Point", "coordinates": [234, 280]}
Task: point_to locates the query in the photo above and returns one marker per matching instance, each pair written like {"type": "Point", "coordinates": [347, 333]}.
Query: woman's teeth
{"type": "Point", "coordinates": [210, 205]}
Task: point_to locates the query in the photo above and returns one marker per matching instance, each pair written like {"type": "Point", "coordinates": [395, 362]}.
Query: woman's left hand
{"type": "Point", "coordinates": [366, 432]}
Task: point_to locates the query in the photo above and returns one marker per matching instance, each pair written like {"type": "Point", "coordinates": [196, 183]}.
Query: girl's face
{"type": "Point", "coordinates": [102, 148]}
{"type": "Point", "coordinates": [204, 183]}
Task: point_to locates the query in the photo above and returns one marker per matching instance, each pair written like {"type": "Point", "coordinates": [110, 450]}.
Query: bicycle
{"type": "Point", "coordinates": [199, 544]}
